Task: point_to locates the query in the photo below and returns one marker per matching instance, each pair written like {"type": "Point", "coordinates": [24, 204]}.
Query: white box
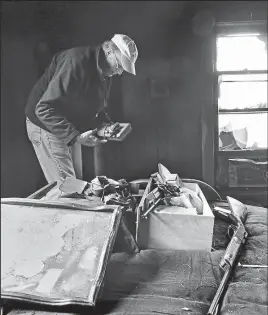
{"type": "Point", "coordinates": [175, 228]}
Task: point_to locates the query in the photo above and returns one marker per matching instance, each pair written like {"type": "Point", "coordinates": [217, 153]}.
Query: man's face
{"type": "Point", "coordinates": [115, 63]}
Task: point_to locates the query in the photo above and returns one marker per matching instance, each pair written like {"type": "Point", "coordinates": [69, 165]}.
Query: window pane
{"type": "Point", "coordinates": [235, 53]}
{"type": "Point", "coordinates": [245, 131]}
{"type": "Point", "coordinates": [242, 94]}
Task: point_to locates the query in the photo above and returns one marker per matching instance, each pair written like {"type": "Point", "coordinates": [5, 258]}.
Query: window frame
{"type": "Point", "coordinates": [223, 29]}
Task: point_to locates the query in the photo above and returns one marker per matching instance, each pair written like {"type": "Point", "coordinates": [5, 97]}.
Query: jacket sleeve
{"type": "Point", "coordinates": [59, 91]}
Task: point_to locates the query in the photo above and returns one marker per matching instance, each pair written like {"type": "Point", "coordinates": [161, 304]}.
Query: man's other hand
{"type": "Point", "coordinates": [88, 139]}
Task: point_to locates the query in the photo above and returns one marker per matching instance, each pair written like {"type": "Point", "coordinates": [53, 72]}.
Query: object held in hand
{"type": "Point", "coordinates": [114, 131]}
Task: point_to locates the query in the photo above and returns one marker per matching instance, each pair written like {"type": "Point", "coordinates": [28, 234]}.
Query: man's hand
{"type": "Point", "coordinates": [88, 139]}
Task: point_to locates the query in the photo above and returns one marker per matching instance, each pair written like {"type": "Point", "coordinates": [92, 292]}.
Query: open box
{"type": "Point", "coordinates": [172, 227]}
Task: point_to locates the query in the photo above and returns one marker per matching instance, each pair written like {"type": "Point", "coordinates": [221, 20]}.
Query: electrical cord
{"type": "Point", "coordinates": [187, 180]}
{"type": "Point", "coordinates": [197, 181]}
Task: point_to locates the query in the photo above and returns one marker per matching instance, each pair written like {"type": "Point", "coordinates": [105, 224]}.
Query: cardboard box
{"type": "Point", "coordinates": [175, 228]}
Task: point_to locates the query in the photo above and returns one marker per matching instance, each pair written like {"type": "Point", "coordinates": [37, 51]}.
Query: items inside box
{"type": "Point", "coordinates": [169, 190]}
{"type": "Point", "coordinates": [164, 224]}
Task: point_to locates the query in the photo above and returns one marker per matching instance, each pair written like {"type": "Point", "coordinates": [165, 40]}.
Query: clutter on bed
{"type": "Point", "coordinates": [110, 191]}
{"type": "Point", "coordinates": [155, 281]}
{"type": "Point", "coordinates": [173, 214]}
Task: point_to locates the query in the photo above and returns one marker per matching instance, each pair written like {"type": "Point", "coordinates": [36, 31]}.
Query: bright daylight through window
{"type": "Point", "coordinates": [242, 91]}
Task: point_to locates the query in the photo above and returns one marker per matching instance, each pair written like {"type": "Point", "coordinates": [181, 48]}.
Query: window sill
{"type": "Point", "coordinates": [257, 153]}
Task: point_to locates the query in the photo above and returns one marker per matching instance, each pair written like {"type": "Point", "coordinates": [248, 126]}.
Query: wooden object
{"type": "Point", "coordinates": [55, 252]}
{"type": "Point", "coordinates": [175, 228]}
{"type": "Point", "coordinates": [247, 173]}
{"type": "Point", "coordinates": [43, 191]}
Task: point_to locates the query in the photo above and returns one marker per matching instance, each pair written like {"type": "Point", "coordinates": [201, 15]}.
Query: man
{"type": "Point", "coordinates": [64, 105]}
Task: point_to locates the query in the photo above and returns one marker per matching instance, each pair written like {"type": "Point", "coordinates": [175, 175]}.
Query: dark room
{"type": "Point", "coordinates": [152, 114]}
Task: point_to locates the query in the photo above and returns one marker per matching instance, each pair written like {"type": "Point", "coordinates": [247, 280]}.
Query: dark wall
{"type": "Point", "coordinates": [20, 172]}
{"type": "Point", "coordinates": [164, 102]}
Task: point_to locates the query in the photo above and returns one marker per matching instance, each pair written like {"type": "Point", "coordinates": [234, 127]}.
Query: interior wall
{"type": "Point", "coordinates": [31, 32]}
{"type": "Point", "coordinates": [164, 102]}
{"type": "Point", "coordinates": [20, 172]}
{"type": "Point", "coordinates": [166, 124]}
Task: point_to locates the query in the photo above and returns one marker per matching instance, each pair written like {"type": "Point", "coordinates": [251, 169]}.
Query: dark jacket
{"type": "Point", "coordinates": [66, 99]}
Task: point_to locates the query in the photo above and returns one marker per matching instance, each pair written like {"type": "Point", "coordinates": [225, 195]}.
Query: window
{"type": "Point", "coordinates": [241, 68]}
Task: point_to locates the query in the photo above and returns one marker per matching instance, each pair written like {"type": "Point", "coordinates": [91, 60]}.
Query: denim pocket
{"type": "Point", "coordinates": [34, 133]}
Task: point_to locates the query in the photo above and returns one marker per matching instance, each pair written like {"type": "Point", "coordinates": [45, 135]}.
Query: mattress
{"type": "Point", "coordinates": [154, 282]}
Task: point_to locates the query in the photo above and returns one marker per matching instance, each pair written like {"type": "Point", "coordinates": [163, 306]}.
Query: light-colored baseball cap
{"type": "Point", "coordinates": [129, 52]}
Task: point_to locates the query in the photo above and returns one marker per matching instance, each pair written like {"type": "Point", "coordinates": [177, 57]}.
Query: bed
{"type": "Point", "coordinates": [151, 282]}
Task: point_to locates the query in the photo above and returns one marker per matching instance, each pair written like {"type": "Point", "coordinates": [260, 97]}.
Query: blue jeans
{"type": "Point", "coordinates": [56, 159]}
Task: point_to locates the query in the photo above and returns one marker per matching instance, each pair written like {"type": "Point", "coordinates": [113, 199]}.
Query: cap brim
{"type": "Point", "coordinates": [128, 65]}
